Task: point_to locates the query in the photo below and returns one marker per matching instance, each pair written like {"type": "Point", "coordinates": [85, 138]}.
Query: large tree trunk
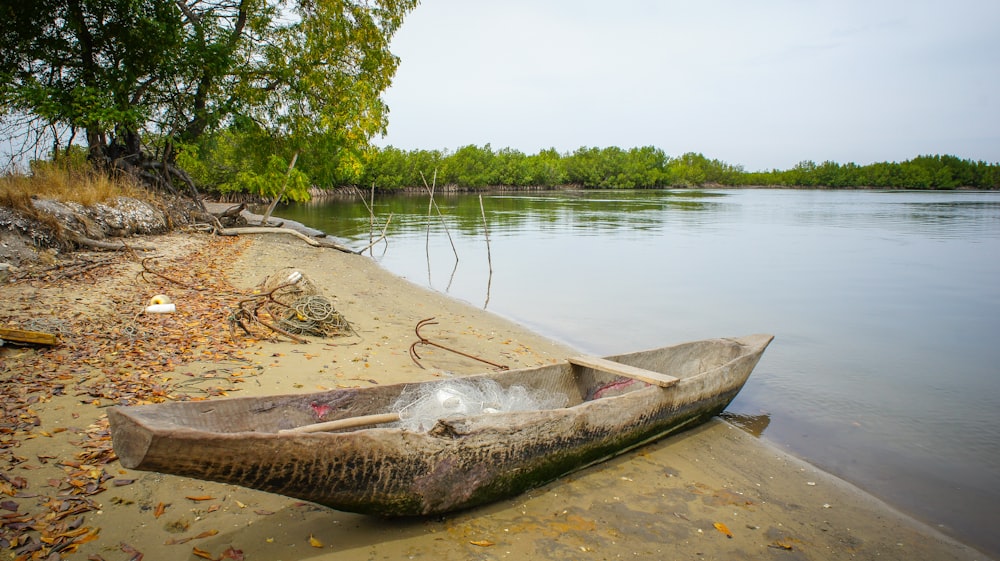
{"type": "Point", "coordinates": [124, 153]}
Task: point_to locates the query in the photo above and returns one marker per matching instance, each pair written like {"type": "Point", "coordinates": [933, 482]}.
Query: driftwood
{"type": "Point", "coordinates": [28, 337]}
{"type": "Point", "coordinates": [378, 239]}
{"type": "Point", "coordinates": [268, 230]}
{"type": "Point", "coordinates": [97, 244]}
{"type": "Point", "coordinates": [232, 212]}
{"type": "Point", "coordinates": [311, 236]}
{"type": "Point", "coordinates": [271, 230]}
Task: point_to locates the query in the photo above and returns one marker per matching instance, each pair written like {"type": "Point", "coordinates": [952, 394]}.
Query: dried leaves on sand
{"type": "Point", "coordinates": [111, 354]}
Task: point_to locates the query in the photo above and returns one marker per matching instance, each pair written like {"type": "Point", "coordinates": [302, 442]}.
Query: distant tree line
{"type": "Point", "coordinates": [922, 172]}
{"type": "Point", "coordinates": [475, 167]}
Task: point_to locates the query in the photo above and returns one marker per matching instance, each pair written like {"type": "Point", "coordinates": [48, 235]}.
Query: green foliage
{"type": "Point", "coordinates": [391, 168]}
{"type": "Point", "coordinates": [88, 64]}
{"type": "Point", "coordinates": [229, 167]}
{"type": "Point", "coordinates": [687, 170]}
{"type": "Point", "coordinates": [277, 77]}
{"type": "Point", "coordinates": [474, 167]}
{"type": "Point", "coordinates": [270, 182]}
{"type": "Point", "coordinates": [922, 172]}
{"type": "Point", "coordinates": [469, 166]}
{"type": "Point", "coordinates": [545, 169]}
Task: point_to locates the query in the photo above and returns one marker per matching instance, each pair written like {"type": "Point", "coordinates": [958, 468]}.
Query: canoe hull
{"type": "Point", "coordinates": [460, 463]}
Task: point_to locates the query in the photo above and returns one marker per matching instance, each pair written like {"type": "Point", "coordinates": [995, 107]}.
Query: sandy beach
{"type": "Point", "coordinates": [62, 491]}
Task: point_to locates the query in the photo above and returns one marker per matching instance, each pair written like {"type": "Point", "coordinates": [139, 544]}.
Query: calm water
{"type": "Point", "coordinates": [885, 369]}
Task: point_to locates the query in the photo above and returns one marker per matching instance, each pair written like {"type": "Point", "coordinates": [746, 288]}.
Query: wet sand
{"type": "Point", "coordinates": [670, 500]}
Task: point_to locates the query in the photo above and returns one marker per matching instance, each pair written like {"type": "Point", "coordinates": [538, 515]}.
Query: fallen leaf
{"type": "Point", "coordinates": [206, 534]}
{"type": "Point", "coordinates": [314, 542]}
{"type": "Point", "coordinates": [136, 554]}
{"type": "Point", "coordinates": [177, 541]}
{"type": "Point", "coordinates": [199, 497]}
{"type": "Point", "coordinates": [74, 533]}
{"type": "Point", "coordinates": [89, 537]}
{"type": "Point", "coordinates": [201, 553]}
{"type": "Point", "coordinates": [482, 543]}
{"type": "Point", "coordinates": [722, 528]}
{"type": "Point", "coordinates": [232, 553]}
{"type": "Point", "coordinates": [781, 545]}
{"type": "Point", "coordinates": [160, 509]}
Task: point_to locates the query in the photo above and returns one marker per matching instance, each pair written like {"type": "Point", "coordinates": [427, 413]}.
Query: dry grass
{"type": "Point", "coordinates": [68, 182]}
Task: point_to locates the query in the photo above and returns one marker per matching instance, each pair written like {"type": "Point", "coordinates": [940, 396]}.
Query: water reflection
{"type": "Point", "coordinates": [586, 212]}
{"type": "Point", "coordinates": [753, 424]}
{"type": "Point", "coordinates": [953, 219]}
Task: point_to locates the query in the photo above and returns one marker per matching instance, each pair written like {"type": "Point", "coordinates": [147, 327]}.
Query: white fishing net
{"type": "Point", "coordinates": [419, 407]}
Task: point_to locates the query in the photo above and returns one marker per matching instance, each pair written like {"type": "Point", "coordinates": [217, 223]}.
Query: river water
{"type": "Point", "coordinates": [885, 369]}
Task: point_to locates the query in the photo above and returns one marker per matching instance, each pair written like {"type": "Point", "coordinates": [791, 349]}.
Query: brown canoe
{"type": "Point", "coordinates": [613, 405]}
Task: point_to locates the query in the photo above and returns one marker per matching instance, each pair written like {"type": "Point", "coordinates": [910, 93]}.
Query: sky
{"type": "Point", "coordinates": [763, 84]}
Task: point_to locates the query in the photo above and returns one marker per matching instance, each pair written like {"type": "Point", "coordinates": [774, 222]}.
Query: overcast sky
{"type": "Point", "coordinates": [763, 84]}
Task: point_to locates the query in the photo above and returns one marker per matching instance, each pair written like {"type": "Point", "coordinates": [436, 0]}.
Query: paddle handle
{"type": "Point", "coordinates": [349, 423]}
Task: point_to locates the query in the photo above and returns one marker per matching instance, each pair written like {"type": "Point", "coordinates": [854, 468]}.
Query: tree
{"type": "Point", "coordinates": [645, 167]}
{"type": "Point", "coordinates": [87, 65]}
{"type": "Point", "coordinates": [385, 168]}
{"type": "Point", "coordinates": [688, 170]}
{"type": "Point", "coordinates": [140, 77]}
{"type": "Point", "coordinates": [583, 167]}
{"type": "Point", "coordinates": [469, 166]}
{"type": "Point", "coordinates": [545, 169]}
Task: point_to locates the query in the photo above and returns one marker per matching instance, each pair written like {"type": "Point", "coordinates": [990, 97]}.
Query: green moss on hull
{"type": "Point", "coordinates": [538, 468]}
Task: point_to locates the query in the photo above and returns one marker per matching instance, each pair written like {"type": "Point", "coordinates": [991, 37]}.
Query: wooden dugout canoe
{"type": "Point", "coordinates": [459, 463]}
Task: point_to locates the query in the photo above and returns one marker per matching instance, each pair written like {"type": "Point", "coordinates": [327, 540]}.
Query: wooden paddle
{"type": "Point", "coordinates": [349, 423]}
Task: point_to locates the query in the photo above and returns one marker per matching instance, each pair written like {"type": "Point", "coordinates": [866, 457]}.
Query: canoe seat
{"type": "Point", "coordinates": [612, 367]}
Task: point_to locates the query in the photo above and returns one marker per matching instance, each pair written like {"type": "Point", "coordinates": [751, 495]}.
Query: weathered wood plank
{"type": "Point", "coordinates": [30, 337]}
{"type": "Point", "coordinates": [605, 365]}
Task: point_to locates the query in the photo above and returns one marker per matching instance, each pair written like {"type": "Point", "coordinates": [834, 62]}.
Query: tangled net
{"type": "Point", "coordinates": [419, 407]}
{"type": "Point", "coordinates": [296, 306]}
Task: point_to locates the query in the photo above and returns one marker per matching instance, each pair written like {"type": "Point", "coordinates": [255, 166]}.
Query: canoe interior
{"type": "Point", "coordinates": [579, 384]}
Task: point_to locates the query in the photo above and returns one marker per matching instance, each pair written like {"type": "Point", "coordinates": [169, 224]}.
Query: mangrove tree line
{"type": "Point", "coordinates": [475, 167]}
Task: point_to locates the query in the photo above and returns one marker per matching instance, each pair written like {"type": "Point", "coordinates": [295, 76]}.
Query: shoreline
{"type": "Point", "coordinates": [663, 498]}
